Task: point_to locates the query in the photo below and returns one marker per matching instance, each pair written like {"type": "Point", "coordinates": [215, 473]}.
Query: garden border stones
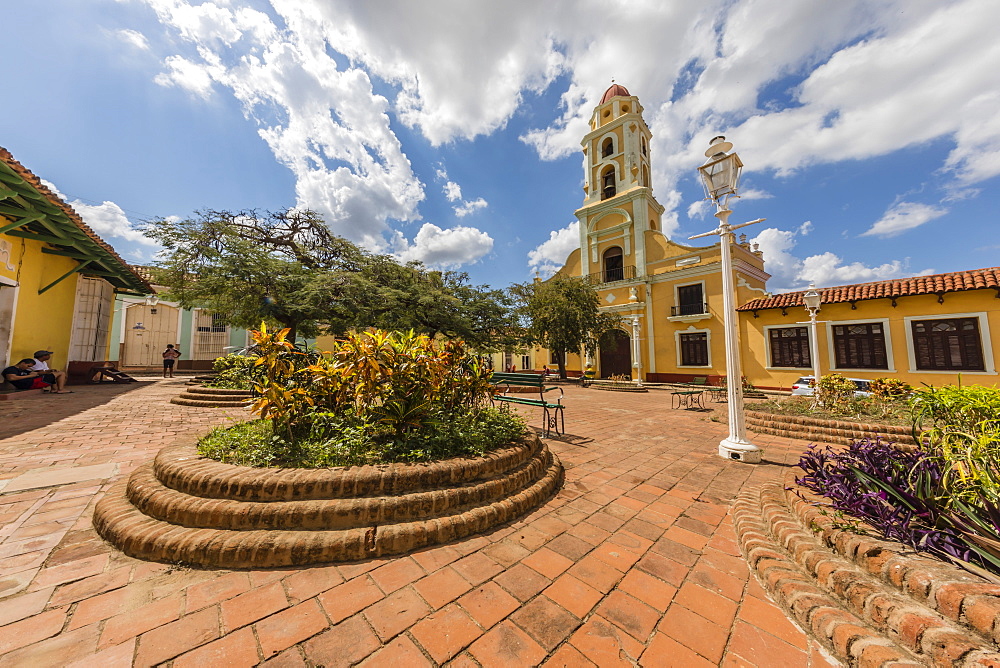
{"type": "Point", "coordinates": [186, 508]}
{"type": "Point", "coordinates": [212, 397]}
{"type": "Point", "coordinates": [826, 431]}
{"type": "Point", "coordinates": [871, 602]}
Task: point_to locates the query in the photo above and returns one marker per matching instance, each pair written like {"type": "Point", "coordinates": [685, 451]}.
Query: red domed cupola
{"type": "Point", "coordinates": [615, 90]}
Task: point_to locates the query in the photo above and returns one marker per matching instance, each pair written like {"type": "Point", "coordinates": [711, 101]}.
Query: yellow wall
{"type": "Point", "coordinates": [901, 364]}
{"type": "Point", "coordinates": [40, 321]}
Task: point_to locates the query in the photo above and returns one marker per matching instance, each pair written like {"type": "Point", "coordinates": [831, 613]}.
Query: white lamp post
{"type": "Point", "coordinates": [812, 301]}
{"type": "Point", "coordinates": [636, 364]}
{"type": "Point", "coordinates": [721, 177]}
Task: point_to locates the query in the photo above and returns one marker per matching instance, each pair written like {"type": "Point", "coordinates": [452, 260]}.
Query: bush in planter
{"type": "Point", "coordinates": [233, 372]}
{"type": "Point", "coordinates": [376, 397]}
{"type": "Point", "coordinates": [901, 495]}
{"type": "Point", "coordinates": [963, 432]}
{"type": "Point", "coordinates": [944, 498]}
{"type": "Point", "coordinates": [834, 391]}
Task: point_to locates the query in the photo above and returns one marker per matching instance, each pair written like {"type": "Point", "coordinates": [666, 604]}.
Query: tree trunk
{"type": "Point", "coordinates": [561, 362]}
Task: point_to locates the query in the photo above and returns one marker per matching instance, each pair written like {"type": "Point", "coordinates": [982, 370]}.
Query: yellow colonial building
{"type": "Point", "coordinates": [926, 329]}
{"type": "Point", "coordinates": [57, 277]}
{"type": "Point", "coordinates": [668, 294]}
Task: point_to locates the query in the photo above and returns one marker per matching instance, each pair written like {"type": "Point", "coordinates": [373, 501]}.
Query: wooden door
{"type": "Point", "coordinates": [91, 320]}
{"type": "Point", "coordinates": [615, 354]}
{"type": "Point", "coordinates": [148, 331]}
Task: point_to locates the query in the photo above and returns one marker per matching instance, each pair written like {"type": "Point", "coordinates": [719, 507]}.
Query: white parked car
{"type": "Point", "coordinates": [800, 388]}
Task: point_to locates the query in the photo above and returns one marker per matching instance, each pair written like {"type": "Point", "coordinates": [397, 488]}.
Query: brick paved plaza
{"type": "Point", "coordinates": [633, 562]}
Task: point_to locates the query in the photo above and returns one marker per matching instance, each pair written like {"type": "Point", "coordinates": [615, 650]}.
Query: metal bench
{"type": "Point", "coordinates": [686, 399]}
{"type": "Point", "coordinates": [552, 413]}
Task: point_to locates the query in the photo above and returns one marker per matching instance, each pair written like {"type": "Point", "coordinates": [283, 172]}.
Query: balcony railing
{"type": "Point", "coordinates": [625, 273]}
{"type": "Point", "coordinates": [689, 309]}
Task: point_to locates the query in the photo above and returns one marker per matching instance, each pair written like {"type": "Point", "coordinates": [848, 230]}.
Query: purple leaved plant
{"type": "Point", "coordinates": [899, 494]}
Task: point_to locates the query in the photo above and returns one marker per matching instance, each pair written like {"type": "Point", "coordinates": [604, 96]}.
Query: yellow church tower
{"type": "Point", "coordinates": [668, 294]}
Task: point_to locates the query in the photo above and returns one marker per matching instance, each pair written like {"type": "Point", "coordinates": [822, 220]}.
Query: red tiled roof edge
{"type": "Point", "coordinates": [956, 281]}
{"type": "Point", "coordinates": [37, 184]}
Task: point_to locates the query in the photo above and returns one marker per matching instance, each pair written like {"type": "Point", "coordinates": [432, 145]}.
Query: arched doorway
{"type": "Point", "coordinates": [614, 264]}
{"type": "Point", "coordinates": [616, 354]}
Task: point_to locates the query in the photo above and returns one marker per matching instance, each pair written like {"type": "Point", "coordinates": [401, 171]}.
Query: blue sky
{"type": "Point", "coordinates": [449, 131]}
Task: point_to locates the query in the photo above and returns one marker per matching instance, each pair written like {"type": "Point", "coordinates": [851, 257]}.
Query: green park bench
{"type": "Point", "coordinates": [552, 413]}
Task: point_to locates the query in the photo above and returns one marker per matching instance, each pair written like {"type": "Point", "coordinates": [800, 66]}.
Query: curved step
{"type": "Point", "coordinates": [154, 499]}
{"type": "Point", "coordinates": [122, 524]}
{"type": "Point", "coordinates": [203, 403]}
{"type": "Point", "coordinates": [180, 467]}
{"type": "Point", "coordinates": [219, 390]}
{"type": "Point", "coordinates": [858, 616]}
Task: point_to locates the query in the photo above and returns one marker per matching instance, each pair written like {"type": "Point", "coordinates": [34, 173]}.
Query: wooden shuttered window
{"type": "Point", "coordinates": [790, 347]}
{"type": "Point", "coordinates": [860, 346]}
{"type": "Point", "coordinates": [948, 345]}
{"type": "Point", "coordinates": [691, 300]}
{"type": "Point", "coordinates": [694, 349]}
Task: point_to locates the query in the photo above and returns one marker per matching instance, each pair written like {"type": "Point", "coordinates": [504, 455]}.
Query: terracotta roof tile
{"type": "Point", "coordinates": [956, 281]}
{"type": "Point", "coordinates": [57, 201]}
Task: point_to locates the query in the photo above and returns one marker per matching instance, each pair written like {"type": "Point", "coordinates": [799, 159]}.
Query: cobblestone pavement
{"type": "Point", "coordinates": [634, 562]}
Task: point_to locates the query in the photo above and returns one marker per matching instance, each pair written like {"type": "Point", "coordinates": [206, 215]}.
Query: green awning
{"type": "Point", "coordinates": [33, 212]}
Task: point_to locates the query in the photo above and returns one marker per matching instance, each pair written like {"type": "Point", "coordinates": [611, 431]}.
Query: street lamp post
{"type": "Point", "coordinates": [720, 176]}
{"type": "Point", "coordinates": [812, 301]}
{"type": "Point", "coordinates": [636, 351]}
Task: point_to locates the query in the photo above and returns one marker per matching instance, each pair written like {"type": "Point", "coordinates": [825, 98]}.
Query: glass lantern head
{"type": "Point", "coordinates": [811, 298]}
{"type": "Point", "coordinates": [721, 174]}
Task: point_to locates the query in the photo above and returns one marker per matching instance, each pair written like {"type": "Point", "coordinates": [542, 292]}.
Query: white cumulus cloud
{"type": "Point", "coordinates": [791, 272]}
{"type": "Point", "coordinates": [107, 218]}
{"type": "Point", "coordinates": [902, 217]}
{"type": "Point", "coordinates": [136, 39]}
{"type": "Point", "coordinates": [453, 193]}
{"type": "Point", "coordinates": [445, 249]}
{"type": "Point", "coordinates": [549, 256]}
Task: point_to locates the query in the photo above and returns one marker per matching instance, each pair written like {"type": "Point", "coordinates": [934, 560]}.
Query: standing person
{"type": "Point", "coordinates": [53, 377]}
{"type": "Point", "coordinates": [169, 356]}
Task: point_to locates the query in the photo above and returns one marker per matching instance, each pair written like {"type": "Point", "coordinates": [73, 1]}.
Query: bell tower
{"type": "Point", "coordinates": [618, 206]}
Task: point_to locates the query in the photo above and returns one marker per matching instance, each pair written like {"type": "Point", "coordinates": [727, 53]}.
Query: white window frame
{"type": "Point", "coordinates": [984, 340]}
{"type": "Point", "coordinates": [886, 334]}
{"type": "Point", "coordinates": [704, 293]}
{"type": "Point", "coordinates": [614, 147]}
{"type": "Point", "coordinates": [677, 347]}
{"type": "Point", "coordinates": [767, 347]}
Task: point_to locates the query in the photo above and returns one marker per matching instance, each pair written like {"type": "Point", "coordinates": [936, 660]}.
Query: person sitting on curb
{"type": "Point", "coordinates": [23, 378]}
{"type": "Point", "coordinates": [52, 376]}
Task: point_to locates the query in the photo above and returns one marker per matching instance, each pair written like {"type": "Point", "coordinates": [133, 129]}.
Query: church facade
{"type": "Point", "coordinates": [668, 294]}
{"type": "Point", "coordinates": [926, 329]}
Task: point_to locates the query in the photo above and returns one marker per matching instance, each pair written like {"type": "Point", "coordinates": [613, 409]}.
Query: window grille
{"type": "Point", "coordinates": [694, 349]}
{"type": "Point", "coordinates": [948, 345]}
{"type": "Point", "coordinates": [860, 346]}
{"type": "Point", "coordinates": [790, 347]}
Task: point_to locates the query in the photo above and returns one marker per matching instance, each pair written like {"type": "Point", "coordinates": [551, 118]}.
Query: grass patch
{"type": "Point", "coordinates": [338, 440]}
{"type": "Point", "coordinates": [858, 409]}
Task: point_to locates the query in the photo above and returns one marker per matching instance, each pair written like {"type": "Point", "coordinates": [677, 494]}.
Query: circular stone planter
{"type": "Point", "coordinates": [598, 385]}
{"type": "Point", "coordinates": [826, 431]}
{"type": "Point", "coordinates": [186, 508]}
{"type": "Point", "coordinates": [871, 602]}
{"type": "Point", "coordinates": [213, 397]}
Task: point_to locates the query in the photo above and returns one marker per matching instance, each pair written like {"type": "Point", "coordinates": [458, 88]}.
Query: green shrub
{"type": "Point", "coordinates": [338, 441]}
{"type": "Point", "coordinates": [961, 426]}
{"type": "Point", "coordinates": [889, 389]}
{"type": "Point", "coordinates": [376, 397]}
{"type": "Point", "coordinates": [233, 372]}
{"type": "Point", "coordinates": [834, 390]}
